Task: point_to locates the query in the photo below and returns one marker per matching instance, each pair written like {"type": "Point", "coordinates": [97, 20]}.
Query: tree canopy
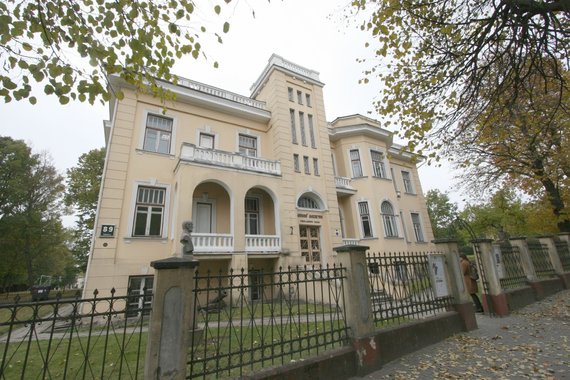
{"type": "Point", "coordinates": [442, 213]}
{"type": "Point", "coordinates": [436, 59]}
{"type": "Point", "coordinates": [71, 46]}
{"type": "Point", "coordinates": [82, 192]}
{"type": "Point", "coordinates": [522, 144]}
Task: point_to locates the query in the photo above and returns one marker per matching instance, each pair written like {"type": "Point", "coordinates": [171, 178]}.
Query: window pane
{"type": "Point", "coordinates": [155, 222]}
{"type": "Point", "coordinates": [293, 127]}
{"type": "Point", "coordinates": [311, 131]}
{"type": "Point", "coordinates": [140, 221]}
{"type": "Point", "coordinates": [150, 140]}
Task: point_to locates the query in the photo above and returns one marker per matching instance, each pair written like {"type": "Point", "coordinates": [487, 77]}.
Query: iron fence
{"type": "Point", "coordinates": [245, 321]}
{"type": "Point", "coordinates": [94, 338]}
{"type": "Point", "coordinates": [402, 288]}
{"type": "Point", "coordinates": [513, 272]}
{"type": "Point", "coordinates": [541, 259]}
{"type": "Point", "coordinates": [563, 253]}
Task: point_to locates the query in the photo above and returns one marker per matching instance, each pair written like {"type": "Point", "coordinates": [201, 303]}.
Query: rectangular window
{"type": "Point", "coordinates": [365, 219]}
{"type": "Point", "coordinates": [355, 163]}
{"type": "Point", "coordinates": [248, 145]}
{"type": "Point", "coordinates": [401, 271]}
{"type": "Point", "coordinates": [296, 163]}
{"type": "Point", "coordinates": [139, 300]}
{"type": "Point", "coordinates": [311, 131]}
{"type": "Point", "coordinates": [290, 93]}
{"type": "Point", "coordinates": [407, 179]}
{"type": "Point", "coordinates": [308, 100]}
{"type": "Point", "coordinates": [316, 166]}
{"type": "Point", "coordinates": [299, 97]}
{"type": "Point", "coordinates": [306, 164]}
{"type": "Point", "coordinates": [252, 216]}
{"type": "Point", "coordinates": [378, 164]}
{"type": "Point", "coordinates": [417, 227]}
{"type": "Point", "coordinates": [293, 126]}
{"type": "Point", "coordinates": [149, 211]}
{"type": "Point", "coordinates": [206, 141]}
{"type": "Point", "coordinates": [302, 127]}
{"type": "Point", "coordinates": [158, 134]}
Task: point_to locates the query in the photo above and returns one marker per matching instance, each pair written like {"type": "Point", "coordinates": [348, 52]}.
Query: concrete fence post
{"type": "Point", "coordinates": [462, 300]}
{"type": "Point", "coordinates": [564, 237]}
{"type": "Point", "coordinates": [358, 306]}
{"type": "Point", "coordinates": [171, 319]}
{"type": "Point", "coordinates": [494, 298]}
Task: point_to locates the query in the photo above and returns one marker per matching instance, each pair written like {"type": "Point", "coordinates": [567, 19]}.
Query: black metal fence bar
{"type": "Point", "coordinates": [245, 321]}
{"type": "Point", "coordinates": [73, 338]}
{"type": "Point", "coordinates": [513, 274]}
{"type": "Point", "coordinates": [541, 260]}
{"type": "Point", "coordinates": [563, 253]}
{"type": "Point", "coordinates": [402, 288]}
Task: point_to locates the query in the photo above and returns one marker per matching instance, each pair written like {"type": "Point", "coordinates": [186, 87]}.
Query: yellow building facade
{"type": "Point", "coordinates": [265, 179]}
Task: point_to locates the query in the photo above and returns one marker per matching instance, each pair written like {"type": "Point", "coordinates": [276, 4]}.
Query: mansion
{"type": "Point", "coordinates": [266, 180]}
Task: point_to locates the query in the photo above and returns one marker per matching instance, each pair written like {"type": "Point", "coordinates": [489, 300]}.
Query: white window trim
{"type": "Point", "coordinates": [250, 134]}
{"type": "Point", "coordinates": [413, 188]}
{"type": "Point", "coordinates": [208, 131]}
{"type": "Point", "coordinates": [157, 112]}
{"type": "Point", "coordinates": [387, 168]}
{"type": "Point", "coordinates": [165, 217]}
{"type": "Point", "coordinates": [397, 222]}
{"type": "Point", "coordinates": [317, 197]}
{"type": "Point", "coordinates": [210, 201]}
{"type": "Point", "coordinates": [370, 216]}
{"type": "Point", "coordinates": [421, 225]}
{"type": "Point", "coordinates": [350, 162]}
{"type": "Point", "coordinates": [260, 204]}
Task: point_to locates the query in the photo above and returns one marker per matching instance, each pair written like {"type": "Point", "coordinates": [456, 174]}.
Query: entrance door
{"type": "Point", "coordinates": [203, 222]}
{"type": "Point", "coordinates": [310, 244]}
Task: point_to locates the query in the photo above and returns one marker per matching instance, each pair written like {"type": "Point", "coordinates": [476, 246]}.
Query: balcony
{"type": "Point", "coordinates": [192, 153]}
{"type": "Point", "coordinates": [262, 243]}
{"type": "Point", "coordinates": [343, 186]}
{"type": "Point", "coordinates": [204, 242]}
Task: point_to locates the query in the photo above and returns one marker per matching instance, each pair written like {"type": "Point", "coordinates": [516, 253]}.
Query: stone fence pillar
{"type": "Point", "coordinates": [358, 306]}
{"type": "Point", "coordinates": [494, 298]}
{"type": "Point", "coordinates": [555, 259]}
{"type": "Point", "coordinates": [171, 319]}
{"type": "Point", "coordinates": [528, 267]}
{"type": "Point", "coordinates": [463, 303]}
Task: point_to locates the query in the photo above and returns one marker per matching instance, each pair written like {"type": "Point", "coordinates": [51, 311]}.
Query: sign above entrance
{"type": "Point", "coordinates": [307, 218]}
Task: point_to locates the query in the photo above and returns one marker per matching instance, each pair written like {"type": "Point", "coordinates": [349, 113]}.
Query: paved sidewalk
{"type": "Point", "coordinates": [532, 343]}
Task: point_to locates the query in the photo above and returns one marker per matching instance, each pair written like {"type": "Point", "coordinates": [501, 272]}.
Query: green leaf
{"type": "Point", "coordinates": [226, 27]}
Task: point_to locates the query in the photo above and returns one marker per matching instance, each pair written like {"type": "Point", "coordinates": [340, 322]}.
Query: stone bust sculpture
{"type": "Point", "coordinates": [186, 240]}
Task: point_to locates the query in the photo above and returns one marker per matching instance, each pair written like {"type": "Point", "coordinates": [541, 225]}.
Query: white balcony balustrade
{"type": "Point", "coordinates": [204, 242]}
{"type": "Point", "coordinates": [344, 186]}
{"type": "Point", "coordinates": [350, 241]}
{"type": "Point", "coordinates": [262, 243]}
{"type": "Point", "coordinates": [192, 153]}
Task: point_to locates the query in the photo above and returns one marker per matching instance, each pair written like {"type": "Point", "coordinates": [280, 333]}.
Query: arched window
{"type": "Point", "coordinates": [306, 202]}
{"type": "Point", "coordinates": [390, 226]}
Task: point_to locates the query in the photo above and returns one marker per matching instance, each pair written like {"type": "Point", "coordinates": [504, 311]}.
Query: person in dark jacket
{"type": "Point", "coordinates": [470, 283]}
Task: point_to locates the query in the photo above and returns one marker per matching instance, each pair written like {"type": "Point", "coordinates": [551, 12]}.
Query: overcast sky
{"type": "Point", "coordinates": [309, 33]}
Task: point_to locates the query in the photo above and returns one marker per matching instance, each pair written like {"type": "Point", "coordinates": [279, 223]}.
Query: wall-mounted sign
{"type": "Point", "coordinates": [437, 270]}
{"type": "Point", "coordinates": [308, 218]}
{"type": "Point", "coordinates": [107, 230]}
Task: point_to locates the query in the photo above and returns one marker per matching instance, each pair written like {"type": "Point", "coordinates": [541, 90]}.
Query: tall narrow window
{"type": "Point", "coordinates": [293, 126]}
{"type": "Point", "coordinates": [378, 164]}
{"type": "Point", "coordinates": [296, 163]}
{"type": "Point", "coordinates": [299, 97]}
{"type": "Point", "coordinates": [316, 166]}
{"type": "Point", "coordinates": [407, 179]}
{"type": "Point", "coordinates": [302, 127]}
{"type": "Point", "coordinates": [365, 219]}
{"type": "Point", "coordinates": [308, 100]}
{"type": "Point", "coordinates": [306, 164]}
{"type": "Point", "coordinates": [206, 141]}
{"type": "Point", "coordinates": [248, 145]}
{"type": "Point", "coordinates": [311, 131]}
{"type": "Point", "coordinates": [158, 134]}
{"type": "Point", "coordinates": [355, 163]}
{"type": "Point", "coordinates": [389, 218]}
{"type": "Point", "coordinates": [252, 216]}
{"type": "Point", "coordinates": [290, 93]}
{"type": "Point", "coordinates": [416, 223]}
{"type": "Point", "coordinates": [149, 211]}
